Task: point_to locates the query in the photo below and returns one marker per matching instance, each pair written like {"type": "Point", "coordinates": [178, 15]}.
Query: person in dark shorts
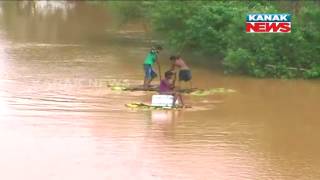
{"type": "Point", "coordinates": [185, 75]}
{"type": "Point", "coordinates": [149, 73]}
{"type": "Point", "coordinates": [184, 71]}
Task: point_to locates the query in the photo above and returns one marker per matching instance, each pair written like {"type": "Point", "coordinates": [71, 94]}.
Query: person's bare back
{"type": "Point", "coordinates": [181, 64]}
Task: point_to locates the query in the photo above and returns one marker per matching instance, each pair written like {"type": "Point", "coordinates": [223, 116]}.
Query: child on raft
{"type": "Point", "coordinates": [184, 70]}
{"type": "Point", "coordinates": [167, 88]}
{"type": "Point", "coordinates": [149, 73]}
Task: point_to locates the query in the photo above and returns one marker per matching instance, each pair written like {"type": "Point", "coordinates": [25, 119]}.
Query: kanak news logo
{"type": "Point", "coordinates": [268, 23]}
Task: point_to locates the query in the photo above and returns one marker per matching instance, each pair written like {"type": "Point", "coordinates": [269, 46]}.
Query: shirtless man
{"type": "Point", "coordinates": [184, 70]}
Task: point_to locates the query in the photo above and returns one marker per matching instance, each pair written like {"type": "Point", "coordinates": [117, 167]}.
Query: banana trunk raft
{"type": "Point", "coordinates": [193, 91]}
{"type": "Point", "coordinates": [144, 106]}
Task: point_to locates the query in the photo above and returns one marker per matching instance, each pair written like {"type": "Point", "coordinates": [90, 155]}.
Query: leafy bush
{"type": "Point", "coordinates": [217, 28]}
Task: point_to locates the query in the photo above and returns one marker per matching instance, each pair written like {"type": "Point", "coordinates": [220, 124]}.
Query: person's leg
{"type": "Point", "coordinates": [148, 83]}
{"type": "Point", "coordinates": [180, 79]}
{"type": "Point", "coordinates": [144, 76]}
{"type": "Point", "coordinates": [148, 76]}
{"type": "Point", "coordinates": [179, 97]}
{"type": "Point", "coordinates": [190, 83]}
{"type": "Point", "coordinates": [179, 85]}
{"type": "Point", "coordinates": [174, 100]}
{"type": "Point", "coordinates": [184, 77]}
{"type": "Point", "coordinates": [152, 76]}
{"type": "Point", "coordinates": [190, 78]}
{"type": "Point", "coordinates": [144, 81]}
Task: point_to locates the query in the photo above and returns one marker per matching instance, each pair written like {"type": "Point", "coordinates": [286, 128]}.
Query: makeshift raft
{"type": "Point", "coordinates": [144, 106]}
{"type": "Point", "coordinates": [193, 91]}
{"type": "Point", "coordinates": [140, 88]}
{"type": "Point", "coordinates": [213, 91]}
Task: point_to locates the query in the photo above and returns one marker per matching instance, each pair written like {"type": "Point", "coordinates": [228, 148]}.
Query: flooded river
{"type": "Point", "coordinates": [59, 120]}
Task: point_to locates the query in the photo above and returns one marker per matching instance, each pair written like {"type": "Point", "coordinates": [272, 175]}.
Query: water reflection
{"type": "Point", "coordinates": [53, 21]}
{"type": "Point", "coordinates": [55, 113]}
{"type": "Point", "coordinates": [44, 8]}
{"type": "Point", "coordinates": [4, 109]}
{"type": "Point", "coordinates": [164, 116]}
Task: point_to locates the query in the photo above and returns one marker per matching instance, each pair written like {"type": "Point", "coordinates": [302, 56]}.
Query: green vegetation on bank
{"type": "Point", "coordinates": [217, 29]}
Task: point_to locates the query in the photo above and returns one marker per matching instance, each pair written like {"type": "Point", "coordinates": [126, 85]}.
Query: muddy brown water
{"type": "Point", "coordinates": [59, 120]}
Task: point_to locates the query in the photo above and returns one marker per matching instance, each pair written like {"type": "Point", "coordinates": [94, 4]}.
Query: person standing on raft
{"type": "Point", "coordinates": [184, 70]}
{"type": "Point", "coordinates": [149, 73]}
